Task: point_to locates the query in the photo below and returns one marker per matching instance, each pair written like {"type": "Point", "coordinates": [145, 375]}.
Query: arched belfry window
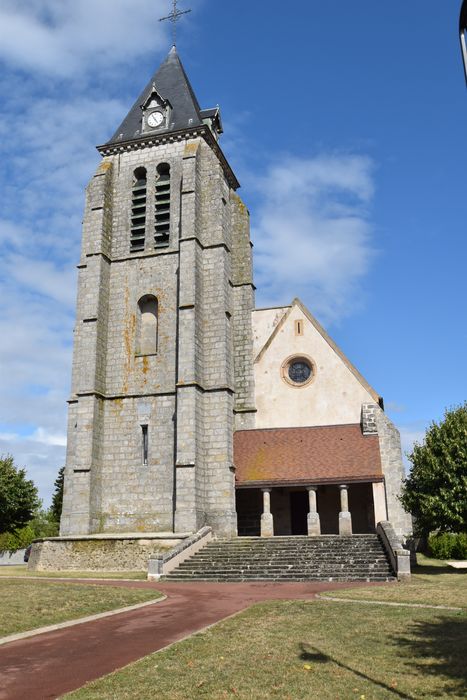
{"type": "Point", "coordinates": [138, 210]}
{"type": "Point", "coordinates": [147, 325]}
{"type": "Point", "coordinates": [162, 206]}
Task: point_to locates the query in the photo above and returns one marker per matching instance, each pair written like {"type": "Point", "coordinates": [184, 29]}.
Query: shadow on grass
{"type": "Point", "coordinates": [438, 647]}
{"type": "Point", "coordinates": [313, 654]}
{"type": "Point", "coordinates": [426, 569]}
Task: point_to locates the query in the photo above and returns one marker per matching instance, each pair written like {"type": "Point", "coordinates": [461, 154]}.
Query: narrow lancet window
{"type": "Point", "coordinates": [138, 210]}
{"type": "Point", "coordinates": [147, 325]}
{"type": "Point", "coordinates": [145, 443]}
{"type": "Point", "coordinates": [162, 206]}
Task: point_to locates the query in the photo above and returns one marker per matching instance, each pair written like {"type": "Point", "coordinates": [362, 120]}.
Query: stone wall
{"type": "Point", "coordinates": [334, 395]}
{"type": "Point", "coordinates": [243, 303]}
{"type": "Point", "coordinates": [98, 554]}
{"type": "Point", "coordinates": [393, 469]}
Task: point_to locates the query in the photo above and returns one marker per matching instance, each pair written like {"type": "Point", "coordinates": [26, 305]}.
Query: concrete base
{"type": "Point", "coordinates": [314, 525]}
{"type": "Point", "coordinates": [345, 523]}
{"type": "Point", "coordinates": [267, 525]}
{"type": "Point", "coordinates": [110, 552]}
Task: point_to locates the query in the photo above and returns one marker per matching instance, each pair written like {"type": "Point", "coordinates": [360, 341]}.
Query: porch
{"type": "Point", "coordinates": [313, 509]}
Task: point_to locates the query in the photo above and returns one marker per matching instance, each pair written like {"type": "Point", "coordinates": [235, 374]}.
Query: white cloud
{"type": "Point", "coordinates": [68, 38]}
{"type": "Point", "coordinates": [312, 232]}
{"type": "Point", "coordinates": [410, 434]}
{"type": "Point", "coordinates": [395, 407]}
{"type": "Point", "coordinates": [42, 461]}
{"type": "Point", "coordinates": [45, 438]}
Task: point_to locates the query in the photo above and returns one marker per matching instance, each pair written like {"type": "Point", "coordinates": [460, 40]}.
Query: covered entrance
{"type": "Point", "coordinates": [298, 512]}
{"type": "Point", "coordinates": [327, 509]}
{"type": "Point", "coordinates": [311, 480]}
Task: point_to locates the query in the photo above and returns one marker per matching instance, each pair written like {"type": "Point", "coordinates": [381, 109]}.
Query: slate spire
{"type": "Point", "coordinates": [172, 85]}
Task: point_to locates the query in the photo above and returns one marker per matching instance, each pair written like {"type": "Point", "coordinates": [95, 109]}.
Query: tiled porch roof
{"type": "Point", "coordinates": [321, 454]}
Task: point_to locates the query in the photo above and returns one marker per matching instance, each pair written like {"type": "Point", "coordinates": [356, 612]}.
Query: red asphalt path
{"type": "Point", "coordinates": [51, 664]}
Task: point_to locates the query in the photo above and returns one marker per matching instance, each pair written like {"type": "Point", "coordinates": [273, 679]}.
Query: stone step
{"type": "Point", "coordinates": [207, 556]}
{"type": "Point", "coordinates": [326, 558]}
{"type": "Point", "coordinates": [288, 563]}
{"type": "Point", "coordinates": [287, 560]}
{"type": "Point", "coordinates": [272, 579]}
{"type": "Point", "coordinates": [294, 546]}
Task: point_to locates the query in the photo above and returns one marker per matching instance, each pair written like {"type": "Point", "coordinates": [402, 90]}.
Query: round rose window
{"type": "Point", "coordinates": [298, 370]}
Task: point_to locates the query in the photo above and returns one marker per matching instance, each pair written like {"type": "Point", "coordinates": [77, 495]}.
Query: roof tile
{"type": "Point", "coordinates": [314, 454]}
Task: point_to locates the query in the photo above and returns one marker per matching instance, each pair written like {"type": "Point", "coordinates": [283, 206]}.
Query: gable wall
{"type": "Point", "coordinates": [335, 395]}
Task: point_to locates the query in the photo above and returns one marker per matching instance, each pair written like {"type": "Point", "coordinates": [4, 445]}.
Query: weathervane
{"type": "Point", "coordinates": [174, 17]}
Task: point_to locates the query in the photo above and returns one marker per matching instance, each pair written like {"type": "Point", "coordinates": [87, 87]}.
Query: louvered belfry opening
{"type": "Point", "coordinates": [162, 206]}
{"type": "Point", "coordinates": [138, 210]}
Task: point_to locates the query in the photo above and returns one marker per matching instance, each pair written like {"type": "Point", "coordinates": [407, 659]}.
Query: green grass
{"type": "Point", "coordinates": [22, 570]}
{"type": "Point", "coordinates": [305, 650]}
{"type": "Point", "coordinates": [432, 583]}
{"type": "Point", "coordinates": [26, 605]}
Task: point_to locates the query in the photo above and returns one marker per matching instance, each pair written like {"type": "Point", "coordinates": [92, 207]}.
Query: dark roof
{"type": "Point", "coordinates": [172, 84]}
{"type": "Point", "coordinates": [321, 454]}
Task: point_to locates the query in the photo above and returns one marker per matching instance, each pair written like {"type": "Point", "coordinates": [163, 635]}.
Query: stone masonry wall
{"type": "Point", "coordinates": [393, 468]}
{"type": "Point", "coordinates": [243, 294]}
{"type": "Point", "coordinates": [129, 554]}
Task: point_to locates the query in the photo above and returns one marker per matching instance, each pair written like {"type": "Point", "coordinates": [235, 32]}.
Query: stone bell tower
{"type": "Point", "coordinates": [162, 369]}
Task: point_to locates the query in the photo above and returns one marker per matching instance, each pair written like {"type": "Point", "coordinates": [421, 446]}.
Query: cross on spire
{"type": "Point", "coordinates": [174, 17]}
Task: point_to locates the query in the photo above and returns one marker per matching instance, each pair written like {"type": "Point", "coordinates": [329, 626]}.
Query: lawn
{"type": "Point", "coordinates": [22, 570]}
{"type": "Point", "coordinates": [432, 583]}
{"type": "Point", "coordinates": [25, 605]}
{"type": "Point", "coordinates": [305, 650]}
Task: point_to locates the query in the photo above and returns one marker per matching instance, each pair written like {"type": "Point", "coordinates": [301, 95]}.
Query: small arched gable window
{"type": "Point", "coordinates": [138, 210]}
{"type": "Point", "coordinates": [147, 325]}
{"type": "Point", "coordinates": [162, 206]}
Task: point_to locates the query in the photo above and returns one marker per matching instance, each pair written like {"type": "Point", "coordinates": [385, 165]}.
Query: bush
{"type": "Point", "coordinates": [41, 525]}
{"type": "Point", "coordinates": [448, 545]}
{"type": "Point", "coordinates": [460, 548]}
{"type": "Point", "coordinates": [434, 492]}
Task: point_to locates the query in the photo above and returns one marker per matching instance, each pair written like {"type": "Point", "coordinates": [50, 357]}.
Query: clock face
{"type": "Point", "coordinates": [155, 119]}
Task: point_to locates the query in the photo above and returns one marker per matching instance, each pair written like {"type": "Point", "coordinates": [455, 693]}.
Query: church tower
{"type": "Point", "coordinates": [162, 371]}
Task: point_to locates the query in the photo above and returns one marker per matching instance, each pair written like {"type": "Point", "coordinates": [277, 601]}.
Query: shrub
{"type": "Point", "coordinates": [448, 545]}
{"type": "Point", "coordinates": [441, 545]}
{"type": "Point", "coordinates": [460, 547]}
{"type": "Point", "coordinates": [41, 525]}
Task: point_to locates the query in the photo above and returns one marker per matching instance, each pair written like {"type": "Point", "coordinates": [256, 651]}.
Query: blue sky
{"type": "Point", "coordinates": [346, 124]}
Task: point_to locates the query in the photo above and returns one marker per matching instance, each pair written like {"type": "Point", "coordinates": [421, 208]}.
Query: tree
{"type": "Point", "coordinates": [18, 496]}
{"type": "Point", "coordinates": [436, 490]}
{"type": "Point", "coordinates": [57, 498]}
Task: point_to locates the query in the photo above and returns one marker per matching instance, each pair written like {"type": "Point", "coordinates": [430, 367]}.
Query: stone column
{"type": "Point", "coordinates": [345, 519]}
{"type": "Point", "coordinates": [267, 522]}
{"type": "Point", "coordinates": [314, 525]}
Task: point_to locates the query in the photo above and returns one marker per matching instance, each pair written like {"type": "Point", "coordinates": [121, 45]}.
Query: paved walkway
{"type": "Point", "coordinates": [51, 664]}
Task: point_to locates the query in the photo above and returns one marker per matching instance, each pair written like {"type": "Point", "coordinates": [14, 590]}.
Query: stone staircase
{"type": "Point", "coordinates": [323, 558]}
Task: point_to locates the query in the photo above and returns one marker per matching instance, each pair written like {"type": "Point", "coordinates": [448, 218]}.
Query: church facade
{"type": "Point", "coordinates": [189, 407]}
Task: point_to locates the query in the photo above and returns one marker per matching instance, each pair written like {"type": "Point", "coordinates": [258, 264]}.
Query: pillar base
{"type": "Point", "coordinates": [345, 523]}
{"type": "Point", "coordinates": [314, 525]}
{"type": "Point", "coordinates": [267, 525]}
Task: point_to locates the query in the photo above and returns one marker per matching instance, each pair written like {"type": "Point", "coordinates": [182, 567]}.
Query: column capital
{"type": "Point", "coordinates": [343, 486]}
{"type": "Point", "coordinates": [266, 490]}
{"type": "Point", "coordinates": [311, 488]}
